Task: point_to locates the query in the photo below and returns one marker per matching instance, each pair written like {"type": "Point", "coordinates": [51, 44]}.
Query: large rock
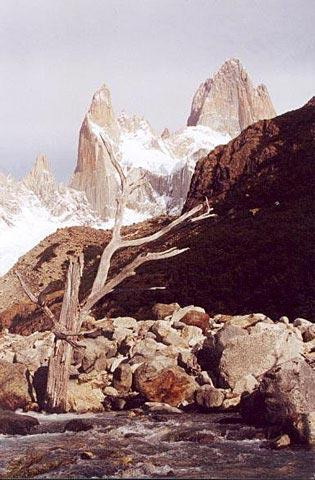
{"type": "Point", "coordinates": [209, 397]}
{"type": "Point", "coordinates": [226, 335]}
{"type": "Point", "coordinates": [168, 385]}
{"type": "Point", "coordinates": [196, 319]}
{"type": "Point", "coordinates": [168, 335]}
{"type": "Point", "coordinates": [245, 321]}
{"type": "Point", "coordinates": [96, 351]}
{"type": "Point", "coordinates": [192, 335]}
{"type": "Point", "coordinates": [266, 347]}
{"type": "Point", "coordinates": [162, 310]}
{"type": "Point", "coordinates": [148, 347]}
{"type": "Point", "coordinates": [84, 398]}
{"type": "Point", "coordinates": [229, 102]}
{"type": "Point", "coordinates": [14, 424]}
{"type": "Point", "coordinates": [123, 378]}
{"type": "Point", "coordinates": [14, 386]}
{"type": "Point", "coordinates": [289, 396]}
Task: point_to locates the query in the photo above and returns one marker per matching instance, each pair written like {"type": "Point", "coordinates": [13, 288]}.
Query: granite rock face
{"type": "Point", "coordinates": [94, 173]}
{"type": "Point", "coordinates": [229, 102]}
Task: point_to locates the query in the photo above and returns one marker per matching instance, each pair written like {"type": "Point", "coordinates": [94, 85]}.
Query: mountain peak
{"type": "Point", "coordinates": [228, 102]}
{"type": "Point", "coordinates": [41, 163]}
{"type": "Point", "coordinates": [101, 110]}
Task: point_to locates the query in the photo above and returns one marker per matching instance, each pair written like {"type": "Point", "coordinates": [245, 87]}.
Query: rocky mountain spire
{"type": "Point", "coordinates": [228, 102]}
{"type": "Point", "coordinates": [94, 172]}
{"type": "Point", "coordinates": [40, 179]}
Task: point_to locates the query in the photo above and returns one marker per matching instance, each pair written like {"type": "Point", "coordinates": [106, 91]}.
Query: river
{"type": "Point", "coordinates": [134, 445]}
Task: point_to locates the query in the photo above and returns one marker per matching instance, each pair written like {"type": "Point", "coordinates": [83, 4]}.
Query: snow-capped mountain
{"type": "Point", "coordinates": [35, 207]}
{"type": "Point", "coordinates": [167, 161]}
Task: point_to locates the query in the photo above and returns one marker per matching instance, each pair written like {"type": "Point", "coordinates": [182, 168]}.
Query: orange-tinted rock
{"type": "Point", "coordinates": [197, 319]}
{"type": "Point", "coordinates": [170, 385]}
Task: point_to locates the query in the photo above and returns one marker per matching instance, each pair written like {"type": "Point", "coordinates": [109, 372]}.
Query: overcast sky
{"type": "Point", "coordinates": [153, 54]}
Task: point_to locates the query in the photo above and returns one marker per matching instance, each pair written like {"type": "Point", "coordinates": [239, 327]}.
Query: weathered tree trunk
{"type": "Point", "coordinates": [60, 361]}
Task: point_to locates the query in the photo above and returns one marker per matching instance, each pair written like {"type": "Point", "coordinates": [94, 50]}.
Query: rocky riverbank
{"type": "Point", "coordinates": [179, 360]}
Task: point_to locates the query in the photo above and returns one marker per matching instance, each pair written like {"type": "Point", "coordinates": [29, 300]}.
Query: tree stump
{"type": "Point", "coordinates": [60, 361]}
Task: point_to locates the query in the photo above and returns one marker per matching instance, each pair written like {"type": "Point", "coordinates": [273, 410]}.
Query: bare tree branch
{"type": "Point", "coordinates": [114, 161]}
{"type": "Point", "coordinates": [155, 236]}
{"type": "Point", "coordinates": [34, 298]}
{"type": "Point", "coordinates": [128, 271]}
{"type": "Point", "coordinates": [207, 214]}
{"type": "Point", "coordinates": [57, 329]}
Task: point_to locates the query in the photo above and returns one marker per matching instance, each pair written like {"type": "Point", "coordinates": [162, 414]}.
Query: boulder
{"type": "Point", "coordinates": [192, 335]}
{"type": "Point", "coordinates": [209, 397]}
{"type": "Point", "coordinates": [196, 319]}
{"type": "Point", "coordinates": [245, 384]}
{"type": "Point", "coordinates": [167, 335]}
{"type": "Point", "coordinates": [121, 333]}
{"type": "Point", "coordinates": [165, 385]}
{"type": "Point", "coordinates": [147, 347]}
{"type": "Point", "coordinates": [180, 313]}
{"type": "Point", "coordinates": [231, 403]}
{"type": "Point", "coordinates": [33, 351]}
{"type": "Point", "coordinates": [245, 321]}
{"type": "Point", "coordinates": [302, 324]}
{"type": "Point", "coordinates": [78, 425]}
{"type": "Point", "coordinates": [99, 348]}
{"type": "Point", "coordinates": [144, 327]}
{"type": "Point", "coordinates": [122, 378]}
{"type": "Point", "coordinates": [309, 333]}
{"type": "Point", "coordinates": [125, 322]}
{"type": "Point", "coordinates": [289, 397]}
{"type": "Point", "coordinates": [14, 386]}
{"type": "Point", "coordinates": [265, 347]}
{"type": "Point", "coordinates": [95, 379]}
{"type": "Point", "coordinates": [226, 334]}
{"type": "Point", "coordinates": [161, 407]}
{"type": "Point", "coordinates": [163, 310]}
{"type": "Point", "coordinates": [84, 398]}
{"type": "Point", "coordinates": [15, 424]}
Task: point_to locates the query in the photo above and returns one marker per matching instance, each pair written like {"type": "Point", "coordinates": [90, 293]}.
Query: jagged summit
{"type": "Point", "coordinates": [41, 163]}
{"type": "Point", "coordinates": [167, 161]}
{"type": "Point", "coordinates": [228, 102]}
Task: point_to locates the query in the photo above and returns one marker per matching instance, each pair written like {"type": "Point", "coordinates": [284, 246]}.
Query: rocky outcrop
{"type": "Point", "coordinates": [229, 102]}
{"type": "Point", "coordinates": [271, 161]}
{"type": "Point", "coordinates": [285, 399]}
{"type": "Point", "coordinates": [265, 346]}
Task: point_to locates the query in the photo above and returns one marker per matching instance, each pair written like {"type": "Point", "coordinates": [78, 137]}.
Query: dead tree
{"type": "Point", "coordinates": [67, 328]}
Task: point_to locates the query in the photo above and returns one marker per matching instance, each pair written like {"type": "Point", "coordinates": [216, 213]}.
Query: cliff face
{"type": "Point", "coordinates": [268, 162]}
{"type": "Point", "coordinates": [94, 173]}
{"type": "Point", "coordinates": [229, 102]}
